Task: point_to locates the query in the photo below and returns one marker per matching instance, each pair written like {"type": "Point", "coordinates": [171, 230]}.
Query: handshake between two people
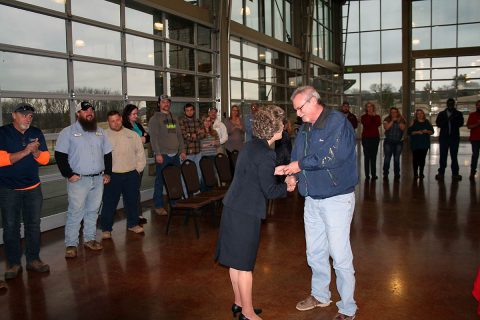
{"type": "Point", "coordinates": [289, 170]}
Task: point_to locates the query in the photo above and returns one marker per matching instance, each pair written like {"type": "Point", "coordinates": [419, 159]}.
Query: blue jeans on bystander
{"type": "Point", "coordinates": [125, 184]}
{"type": "Point", "coordinates": [392, 148]}
{"type": "Point", "coordinates": [84, 199]}
{"type": "Point", "coordinates": [14, 204]}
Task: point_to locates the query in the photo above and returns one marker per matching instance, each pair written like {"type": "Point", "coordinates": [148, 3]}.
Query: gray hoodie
{"type": "Point", "coordinates": [165, 134]}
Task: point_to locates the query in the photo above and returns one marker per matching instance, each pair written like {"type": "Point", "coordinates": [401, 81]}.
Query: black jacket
{"type": "Point", "coordinates": [254, 181]}
{"type": "Point", "coordinates": [128, 125]}
{"type": "Point", "coordinates": [456, 121]}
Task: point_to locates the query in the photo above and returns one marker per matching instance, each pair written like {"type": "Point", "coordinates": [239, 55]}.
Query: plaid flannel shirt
{"type": "Point", "coordinates": [189, 127]}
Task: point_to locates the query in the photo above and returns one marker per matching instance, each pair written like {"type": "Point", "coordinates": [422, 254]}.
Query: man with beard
{"type": "Point", "coordinates": [473, 123]}
{"type": "Point", "coordinates": [22, 149]}
{"type": "Point", "coordinates": [128, 160]}
{"type": "Point", "coordinates": [167, 144]}
{"type": "Point", "coordinates": [449, 121]}
{"type": "Point", "coordinates": [84, 156]}
{"type": "Point", "coordinates": [193, 132]}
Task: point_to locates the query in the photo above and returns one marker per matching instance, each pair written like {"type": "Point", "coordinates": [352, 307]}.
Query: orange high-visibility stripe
{"type": "Point", "coordinates": [29, 188]}
{"type": "Point", "coordinates": [43, 158]}
{"type": "Point", "coordinates": [5, 159]}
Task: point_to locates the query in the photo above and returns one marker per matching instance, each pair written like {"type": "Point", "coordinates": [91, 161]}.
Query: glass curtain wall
{"type": "Point", "coordinates": [373, 37]}
{"type": "Point", "coordinates": [441, 25]}
{"type": "Point", "coordinates": [437, 79]}
{"type": "Point", "coordinates": [374, 33]}
{"type": "Point", "coordinates": [322, 34]}
{"type": "Point", "coordinates": [328, 84]}
{"type": "Point", "coordinates": [260, 74]}
{"type": "Point", "coordinates": [271, 17]}
{"type": "Point", "coordinates": [54, 60]}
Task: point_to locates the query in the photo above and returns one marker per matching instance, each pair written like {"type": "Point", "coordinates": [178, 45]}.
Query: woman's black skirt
{"type": "Point", "coordinates": [238, 240]}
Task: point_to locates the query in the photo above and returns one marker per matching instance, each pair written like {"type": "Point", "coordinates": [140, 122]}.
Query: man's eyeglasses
{"type": "Point", "coordinates": [303, 105]}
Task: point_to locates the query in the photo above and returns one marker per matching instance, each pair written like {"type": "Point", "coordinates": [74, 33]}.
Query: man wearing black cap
{"type": "Point", "coordinates": [167, 144]}
{"type": "Point", "coordinates": [449, 121]}
{"type": "Point", "coordinates": [84, 156]}
{"type": "Point", "coordinates": [22, 150]}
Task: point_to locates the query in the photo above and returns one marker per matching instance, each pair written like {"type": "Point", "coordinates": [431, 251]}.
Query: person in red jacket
{"type": "Point", "coordinates": [476, 289]}
{"type": "Point", "coordinates": [473, 123]}
{"type": "Point", "coordinates": [370, 139]}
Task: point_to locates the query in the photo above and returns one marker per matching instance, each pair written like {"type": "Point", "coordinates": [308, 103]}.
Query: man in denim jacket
{"type": "Point", "coordinates": [324, 164]}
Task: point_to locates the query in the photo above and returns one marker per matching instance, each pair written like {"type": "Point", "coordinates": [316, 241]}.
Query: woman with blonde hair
{"type": "Point", "coordinates": [419, 132]}
{"type": "Point", "coordinates": [235, 129]}
{"type": "Point", "coordinates": [209, 144]}
{"type": "Point", "coordinates": [245, 207]}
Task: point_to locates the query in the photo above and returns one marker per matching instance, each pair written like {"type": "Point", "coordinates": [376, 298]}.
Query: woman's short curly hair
{"type": "Point", "coordinates": [267, 121]}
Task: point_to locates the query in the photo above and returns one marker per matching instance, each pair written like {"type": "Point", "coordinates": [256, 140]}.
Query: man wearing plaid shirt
{"type": "Point", "coordinates": [193, 132]}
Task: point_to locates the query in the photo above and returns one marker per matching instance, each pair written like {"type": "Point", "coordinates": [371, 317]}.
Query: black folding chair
{"type": "Point", "coordinates": [192, 183]}
{"type": "Point", "coordinates": [207, 167]}
{"type": "Point", "coordinates": [176, 199]}
{"type": "Point", "coordinates": [223, 169]}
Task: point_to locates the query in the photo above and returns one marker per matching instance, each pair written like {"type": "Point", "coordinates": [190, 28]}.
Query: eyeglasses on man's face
{"type": "Point", "coordinates": [303, 105]}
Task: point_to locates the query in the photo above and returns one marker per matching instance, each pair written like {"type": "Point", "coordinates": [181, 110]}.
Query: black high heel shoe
{"type": "Point", "coordinates": [237, 309]}
{"type": "Point", "coordinates": [242, 317]}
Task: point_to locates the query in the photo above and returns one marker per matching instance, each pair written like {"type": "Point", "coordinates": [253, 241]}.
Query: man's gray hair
{"type": "Point", "coordinates": [307, 91]}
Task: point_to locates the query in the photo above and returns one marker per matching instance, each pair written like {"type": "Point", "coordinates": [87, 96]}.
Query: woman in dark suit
{"type": "Point", "coordinates": [245, 207]}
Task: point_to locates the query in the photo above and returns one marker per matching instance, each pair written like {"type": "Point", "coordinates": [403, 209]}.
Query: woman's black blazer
{"type": "Point", "coordinates": [254, 181]}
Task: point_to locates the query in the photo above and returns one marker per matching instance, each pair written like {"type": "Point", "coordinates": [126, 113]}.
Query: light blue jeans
{"type": "Point", "coordinates": [327, 233]}
{"type": "Point", "coordinates": [84, 199]}
{"type": "Point", "coordinates": [196, 158]}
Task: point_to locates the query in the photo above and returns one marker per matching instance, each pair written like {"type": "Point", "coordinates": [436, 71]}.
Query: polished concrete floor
{"type": "Point", "coordinates": [416, 252]}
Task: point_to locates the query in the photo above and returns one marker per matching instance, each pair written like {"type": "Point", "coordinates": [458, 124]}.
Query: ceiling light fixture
{"type": "Point", "coordinates": [158, 26]}
{"type": "Point", "coordinates": [79, 43]}
{"type": "Point", "coordinates": [245, 11]}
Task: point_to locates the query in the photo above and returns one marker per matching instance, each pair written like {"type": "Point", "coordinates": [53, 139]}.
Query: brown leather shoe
{"type": "Point", "coordinates": [310, 302]}
{"type": "Point", "coordinates": [70, 252]}
{"type": "Point", "coordinates": [341, 316]}
{"type": "Point", "coordinates": [93, 245]}
{"type": "Point", "coordinates": [38, 266]}
{"type": "Point", "coordinates": [161, 211]}
{"type": "Point", "coordinates": [12, 272]}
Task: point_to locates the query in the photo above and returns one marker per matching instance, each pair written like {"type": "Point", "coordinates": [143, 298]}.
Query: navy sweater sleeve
{"type": "Point", "coordinates": [63, 165]}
